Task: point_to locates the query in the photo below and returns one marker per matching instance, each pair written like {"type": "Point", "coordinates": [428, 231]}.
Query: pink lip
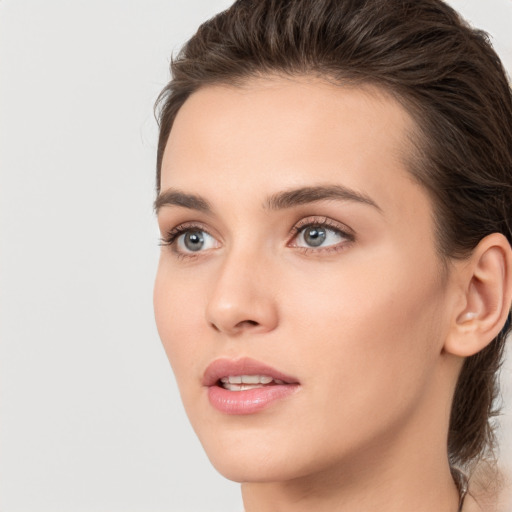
{"type": "Point", "coordinates": [251, 400]}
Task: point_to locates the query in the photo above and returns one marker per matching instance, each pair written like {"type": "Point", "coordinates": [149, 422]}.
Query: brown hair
{"type": "Point", "coordinates": [447, 76]}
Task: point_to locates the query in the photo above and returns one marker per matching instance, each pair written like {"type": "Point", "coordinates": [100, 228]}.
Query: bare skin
{"type": "Point", "coordinates": [368, 321]}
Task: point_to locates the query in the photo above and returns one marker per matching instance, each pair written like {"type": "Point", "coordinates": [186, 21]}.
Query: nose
{"type": "Point", "coordinates": [242, 298]}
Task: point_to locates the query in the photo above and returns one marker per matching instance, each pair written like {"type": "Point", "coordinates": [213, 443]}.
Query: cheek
{"type": "Point", "coordinates": [368, 335]}
{"type": "Point", "coordinates": [178, 318]}
{"type": "Point", "coordinates": [363, 343]}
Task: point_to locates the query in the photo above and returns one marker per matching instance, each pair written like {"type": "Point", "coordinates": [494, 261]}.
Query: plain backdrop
{"type": "Point", "coordinates": [90, 418]}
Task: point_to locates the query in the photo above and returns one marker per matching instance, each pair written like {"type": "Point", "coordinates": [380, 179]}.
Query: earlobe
{"type": "Point", "coordinates": [486, 284]}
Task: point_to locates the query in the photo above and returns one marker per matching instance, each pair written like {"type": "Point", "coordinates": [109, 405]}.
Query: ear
{"type": "Point", "coordinates": [485, 284]}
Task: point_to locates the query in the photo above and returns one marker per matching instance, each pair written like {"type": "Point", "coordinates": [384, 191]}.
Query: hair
{"type": "Point", "coordinates": [450, 80]}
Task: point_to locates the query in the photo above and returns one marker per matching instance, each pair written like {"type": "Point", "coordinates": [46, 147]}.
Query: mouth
{"type": "Point", "coordinates": [246, 386]}
{"type": "Point", "coordinates": [246, 382]}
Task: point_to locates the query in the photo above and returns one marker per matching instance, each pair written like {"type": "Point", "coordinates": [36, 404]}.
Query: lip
{"type": "Point", "coordinates": [224, 367]}
{"type": "Point", "coordinates": [249, 401]}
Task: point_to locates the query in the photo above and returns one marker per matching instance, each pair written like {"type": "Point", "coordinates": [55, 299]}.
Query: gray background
{"type": "Point", "coordinates": [90, 415]}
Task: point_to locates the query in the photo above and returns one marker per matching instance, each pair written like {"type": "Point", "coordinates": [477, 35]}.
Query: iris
{"type": "Point", "coordinates": [193, 240]}
{"type": "Point", "coordinates": [315, 235]}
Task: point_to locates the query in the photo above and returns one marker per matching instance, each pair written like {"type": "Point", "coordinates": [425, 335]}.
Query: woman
{"type": "Point", "coordinates": [334, 189]}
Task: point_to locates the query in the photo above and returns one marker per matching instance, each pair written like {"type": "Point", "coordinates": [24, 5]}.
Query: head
{"type": "Point", "coordinates": [438, 88]}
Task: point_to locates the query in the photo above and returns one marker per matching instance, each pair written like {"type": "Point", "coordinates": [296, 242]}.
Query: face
{"type": "Point", "coordinates": [299, 295]}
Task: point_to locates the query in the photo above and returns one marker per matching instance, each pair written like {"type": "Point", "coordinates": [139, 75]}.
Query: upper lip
{"type": "Point", "coordinates": [225, 367]}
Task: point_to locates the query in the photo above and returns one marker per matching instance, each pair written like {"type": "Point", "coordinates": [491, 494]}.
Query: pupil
{"type": "Point", "coordinates": [194, 240]}
{"type": "Point", "coordinates": [314, 236]}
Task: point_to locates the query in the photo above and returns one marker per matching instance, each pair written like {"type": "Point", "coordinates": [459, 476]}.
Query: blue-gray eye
{"type": "Point", "coordinates": [195, 240]}
{"type": "Point", "coordinates": [319, 236]}
{"type": "Point", "coordinates": [314, 236]}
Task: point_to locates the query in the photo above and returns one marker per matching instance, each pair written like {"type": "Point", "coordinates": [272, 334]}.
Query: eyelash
{"type": "Point", "coordinates": [323, 222]}
{"type": "Point", "coordinates": [169, 240]}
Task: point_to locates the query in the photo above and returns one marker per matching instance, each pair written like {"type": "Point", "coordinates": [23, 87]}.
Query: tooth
{"type": "Point", "coordinates": [250, 379]}
{"type": "Point", "coordinates": [256, 379]}
{"type": "Point", "coordinates": [279, 381]}
{"type": "Point", "coordinates": [235, 379]}
{"type": "Point", "coordinates": [224, 380]}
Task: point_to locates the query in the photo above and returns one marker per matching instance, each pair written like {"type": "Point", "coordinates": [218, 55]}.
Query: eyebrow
{"type": "Point", "coordinates": [177, 198]}
{"type": "Point", "coordinates": [278, 201]}
{"type": "Point", "coordinates": [306, 195]}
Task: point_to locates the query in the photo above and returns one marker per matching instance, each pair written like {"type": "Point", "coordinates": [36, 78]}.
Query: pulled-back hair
{"type": "Point", "coordinates": [448, 78]}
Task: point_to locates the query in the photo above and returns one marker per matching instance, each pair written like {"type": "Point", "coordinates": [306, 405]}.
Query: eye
{"type": "Point", "coordinates": [189, 239]}
{"type": "Point", "coordinates": [320, 235]}
{"type": "Point", "coordinates": [195, 240]}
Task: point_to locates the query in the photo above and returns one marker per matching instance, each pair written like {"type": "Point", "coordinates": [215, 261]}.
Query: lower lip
{"type": "Point", "coordinates": [248, 401]}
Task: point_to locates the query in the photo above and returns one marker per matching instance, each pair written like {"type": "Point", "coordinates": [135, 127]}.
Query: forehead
{"type": "Point", "coordinates": [273, 133]}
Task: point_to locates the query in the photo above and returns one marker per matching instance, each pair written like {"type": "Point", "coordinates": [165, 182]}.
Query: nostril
{"type": "Point", "coordinates": [246, 323]}
{"type": "Point", "coordinates": [237, 328]}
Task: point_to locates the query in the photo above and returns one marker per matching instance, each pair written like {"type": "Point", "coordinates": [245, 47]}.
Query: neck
{"type": "Point", "coordinates": [422, 487]}
{"type": "Point", "coordinates": [345, 490]}
{"type": "Point", "coordinates": [399, 472]}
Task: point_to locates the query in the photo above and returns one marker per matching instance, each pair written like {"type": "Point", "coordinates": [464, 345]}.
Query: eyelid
{"type": "Point", "coordinates": [322, 221]}
{"type": "Point", "coordinates": [330, 224]}
{"type": "Point", "coordinates": [170, 237]}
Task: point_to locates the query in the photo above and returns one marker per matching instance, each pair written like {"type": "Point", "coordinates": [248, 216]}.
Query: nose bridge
{"type": "Point", "coordinates": [242, 297]}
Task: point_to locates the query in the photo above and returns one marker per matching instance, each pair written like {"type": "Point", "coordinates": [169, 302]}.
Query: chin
{"type": "Point", "coordinates": [260, 455]}
{"type": "Point", "coordinates": [248, 469]}
{"type": "Point", "coordinates": [243, 461]}
{"type": "Point", "coordinates": [250, 455]}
